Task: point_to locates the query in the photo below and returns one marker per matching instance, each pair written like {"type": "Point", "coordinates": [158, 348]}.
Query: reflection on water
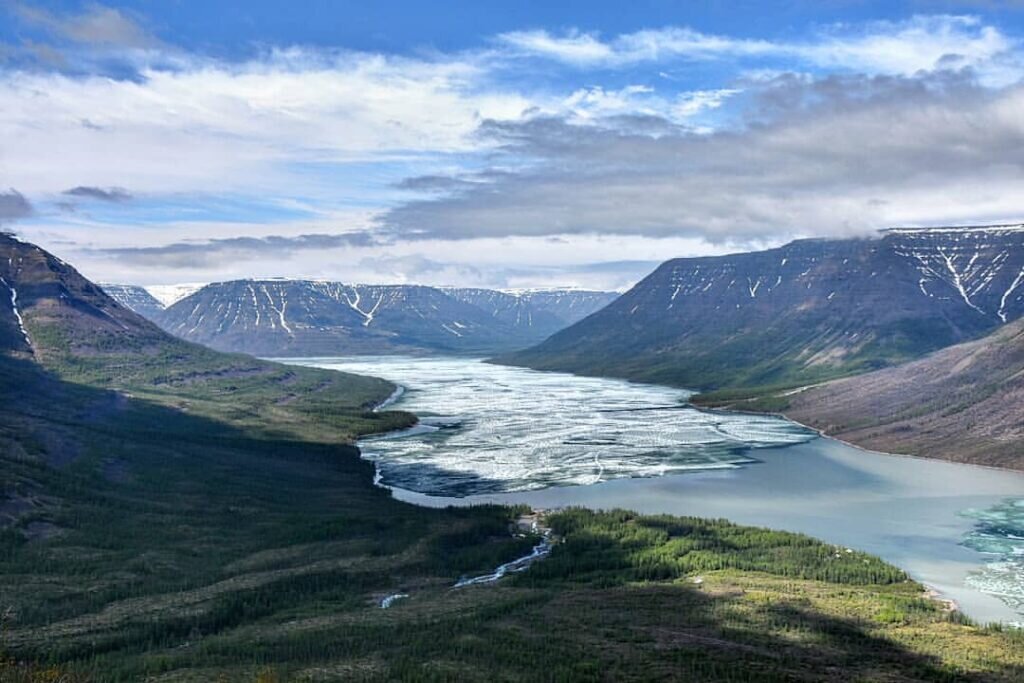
{"type": "Point", "coordinates": [488, 429]}
{"type": "Point", "coordinates": [507, 435]}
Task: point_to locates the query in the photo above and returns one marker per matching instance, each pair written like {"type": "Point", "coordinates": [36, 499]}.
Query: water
{"type": "Point", "coordinates": [492, 429]}
{"type": "Point", "coordinates": [509, 435]}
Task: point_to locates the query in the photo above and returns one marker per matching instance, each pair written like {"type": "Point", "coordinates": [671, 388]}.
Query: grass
{"type": "Point", "coordinates": [181, 515]}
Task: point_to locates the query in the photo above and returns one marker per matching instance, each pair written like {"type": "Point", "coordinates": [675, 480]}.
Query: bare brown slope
{"type": "Point", "coordinates": [963, 403]}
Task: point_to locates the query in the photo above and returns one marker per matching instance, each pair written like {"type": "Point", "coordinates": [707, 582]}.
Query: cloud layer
{"type": "Point", "coordinates": [534, 155]}
{"type": "Point", "coordinates": [834, 156]}
{"type": "Point", "coordinates": [919, 43]}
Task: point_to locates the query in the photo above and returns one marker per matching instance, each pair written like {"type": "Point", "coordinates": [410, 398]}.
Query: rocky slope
{"type": "Point", "coordinates": [804, 312]}
{"type": "Point", "coordinates": [47, 309]}
{"type": "Point", "coordinates": [136, 298]}
{"type": "Point", "coordinates": [309, 318]}
{"type": "Point", "coordinates": [962, 403]}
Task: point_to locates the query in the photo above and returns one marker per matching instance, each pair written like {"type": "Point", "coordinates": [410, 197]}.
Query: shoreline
{"type": "Point", "coordinates": [931, 591]}
{"type": "Point", "coordinates": [825, 435]}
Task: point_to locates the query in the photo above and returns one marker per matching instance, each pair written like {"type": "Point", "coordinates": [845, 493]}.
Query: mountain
{"type": "Point", "coordinates": [136, 298]}
{"type": "Point", "coordinates": [961, 403]}
{"type": "Point", "coordinates": [310, 318]}
{"type": "Point", "coordinates": [52, 311]}
{"type": "Point", "coordinates": [800, 313]}
{"type": "Point", "coordinates": [537, 313]}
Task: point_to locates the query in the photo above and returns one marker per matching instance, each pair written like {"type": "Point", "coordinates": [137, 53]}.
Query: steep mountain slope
{"type": "Point", "coordinates": [134, 297]}
{"type": "Point", "coordinates": [52, 311]}
{"type": "Point", "coordinates": [308, 318]}
{"type": "Point", "coordinates": [962, 403]}
{"type": "Point", "coordinates": [809, 310]}
{"type": "Point", "coordinates": [536, 313]}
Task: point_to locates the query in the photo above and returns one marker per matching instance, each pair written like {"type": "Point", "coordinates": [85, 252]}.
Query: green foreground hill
{"type": "Point", "coordinates": [173, 514]}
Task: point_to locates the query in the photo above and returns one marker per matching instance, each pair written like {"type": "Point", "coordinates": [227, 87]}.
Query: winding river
{"type": "Point", "coordinates": [508, 435]}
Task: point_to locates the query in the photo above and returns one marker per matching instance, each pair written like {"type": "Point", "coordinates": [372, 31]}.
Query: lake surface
{"type": "Point", "coordinates": [493, 434]}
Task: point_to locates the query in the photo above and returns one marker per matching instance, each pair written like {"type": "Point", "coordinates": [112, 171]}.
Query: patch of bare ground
{"type": "Point", "coordinates": [40, 530]}
{"type": "Point", "coordinates": [290, 397]}
{"type": "Point", "coordinates": [964, 403]}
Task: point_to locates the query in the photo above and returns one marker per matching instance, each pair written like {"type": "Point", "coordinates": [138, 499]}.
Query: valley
{"type": "Point", "coordinates": [176, 513]}
{"type": "Point", "coordinates": [500, 435]}
{"type": "Point", "coordinates": [466, 342]}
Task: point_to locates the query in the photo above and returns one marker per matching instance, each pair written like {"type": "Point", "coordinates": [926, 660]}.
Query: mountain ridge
{"type": "Point", "coordinates": [804, 312]}
{"type": "Point", "coordinates": [303, 317]}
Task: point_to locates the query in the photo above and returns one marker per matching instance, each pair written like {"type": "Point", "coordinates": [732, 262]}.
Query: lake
{"type": "Point", "coordinates": [495, 434]}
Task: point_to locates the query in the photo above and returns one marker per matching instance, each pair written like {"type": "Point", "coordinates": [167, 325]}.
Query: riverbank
{"type": "Point", "coordinates": [813, 485]}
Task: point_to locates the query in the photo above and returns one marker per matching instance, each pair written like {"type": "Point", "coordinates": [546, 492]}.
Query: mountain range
{"type": "Point", "coordinates": [278, 317]}
{"type": "Point", "coordinates": [801, 313]}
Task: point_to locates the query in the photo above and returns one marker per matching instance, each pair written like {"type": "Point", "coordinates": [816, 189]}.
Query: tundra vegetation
{"type": "Point", "coordinates": [170, 513]}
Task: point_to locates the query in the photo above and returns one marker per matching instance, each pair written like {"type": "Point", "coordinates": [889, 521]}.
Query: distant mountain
{"type": "Point", "coordinates": [172, 294]}
{"type": "Point", "coordinates": [538, 313]}
{"type": "Point", "coordinates": [961, 403]}
{"type": "Point", "coordinates": [308, 318]}
{"type": "Point", "coordinates": [68, 343]}
{"type": "Point", "coordinates": [136, 298]}
{"type": "Point", "coordinates": [804, 312]}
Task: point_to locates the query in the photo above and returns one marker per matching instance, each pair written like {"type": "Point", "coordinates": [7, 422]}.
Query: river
{"type": "Point", "coordinates": [497, 434]}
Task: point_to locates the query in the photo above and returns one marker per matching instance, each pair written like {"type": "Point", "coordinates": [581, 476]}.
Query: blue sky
{"type": "Point", "coordinates": [495, 143]}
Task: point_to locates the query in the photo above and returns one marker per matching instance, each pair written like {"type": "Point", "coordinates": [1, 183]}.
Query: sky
{"type": "Point", "coordinates": [495, 144]}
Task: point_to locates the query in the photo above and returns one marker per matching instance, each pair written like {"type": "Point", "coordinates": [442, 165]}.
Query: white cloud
{"type": "Point", "coordinates": [526, 179]}
{"type": "Point", "coordinates": [833, 157]}
{"type": "Point", "coordinates": [904, 47]}
{"type": "Point", "coordinates": [690, 104]}
{"type": "Point", "coordinates": [218, 127]}
{"type": "Point", "coordinates": [573, 47]}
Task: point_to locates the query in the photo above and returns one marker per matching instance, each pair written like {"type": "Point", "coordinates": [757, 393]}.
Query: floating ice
{"type": "Point", "coordinates": [487, 428]}
{"type": "Point", "coordinates": [999, 533]}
